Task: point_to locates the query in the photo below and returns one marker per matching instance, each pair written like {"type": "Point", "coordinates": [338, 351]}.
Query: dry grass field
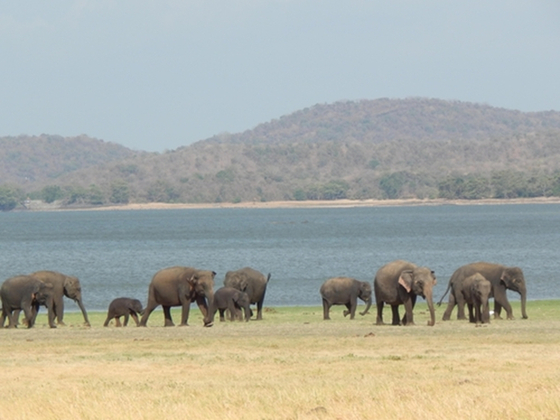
{"type": "Point", "coordinates": [291, 365]}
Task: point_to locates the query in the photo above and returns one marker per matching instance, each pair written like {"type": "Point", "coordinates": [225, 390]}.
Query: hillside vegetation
{"type": "Point", "coordinates": [383, 149]}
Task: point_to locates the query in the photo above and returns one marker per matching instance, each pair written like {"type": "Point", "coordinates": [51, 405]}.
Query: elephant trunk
{"type": "Point", "coordinates": [83, 309]}
{"type": "Point", "coordinates": [485, 315]}
{"type": "Point", "coordinates": [523, 293]}
{"type": "Point", "coordinates": [209, 315]}
{"type": "Point", "coordinates": [367, 307]}
{"type": "Point", "coordinates": [429, 300]}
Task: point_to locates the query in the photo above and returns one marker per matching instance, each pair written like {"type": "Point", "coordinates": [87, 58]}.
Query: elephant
{"type": "Point", "coordinates": [399, 283]}
{"type": "Point", "coordinates": [251, 282]}
{"type": "Point", "coordinates": [25, 293]}
{"type": "Point", "coordinates": [345, 291]}
{"type": "Point", "coordinates": [476, 292]}
{"type": "Point", "coordinates": [233, 300]}
{"type": "Point", "coordinates": [63, 285]}
{"type": "Point", "coordinates": [501, 277]}
{"type": "Point", "coordinates": [124, 306]}
{"type": "Point", "coordinates": [179, 286]}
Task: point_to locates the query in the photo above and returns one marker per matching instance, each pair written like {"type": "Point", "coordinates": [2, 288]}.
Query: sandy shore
{"type": "Point", "coordinates": [326, 204]}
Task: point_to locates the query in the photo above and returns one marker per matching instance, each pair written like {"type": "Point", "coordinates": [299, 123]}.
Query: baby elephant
{"type": "Point", "coordinates": [476, 291]}
{"type": "Point", "coordinates": [228, 298]}
{"type": "Point", "coordinates": [124, 307]}
{"type": "Point", "coordinates": [345, 291]}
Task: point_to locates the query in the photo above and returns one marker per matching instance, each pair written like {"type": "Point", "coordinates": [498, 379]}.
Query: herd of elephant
{"type": "Point", "coordinates": [396, 283]}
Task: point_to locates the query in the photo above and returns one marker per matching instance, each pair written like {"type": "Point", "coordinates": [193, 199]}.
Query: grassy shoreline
{"type": "Point", "coordinates": [291, 365]}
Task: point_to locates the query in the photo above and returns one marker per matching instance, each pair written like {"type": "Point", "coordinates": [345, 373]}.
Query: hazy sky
{"type": "Point", "coordinates": [157, 75]}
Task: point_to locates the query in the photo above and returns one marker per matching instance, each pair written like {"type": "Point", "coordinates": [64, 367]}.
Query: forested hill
{"type": "Point", "coordinates": [385, 120]}
{"type": "Point", "coordinates": [39, 159]}
{"type": "Point", "coordinates": [383, 148]}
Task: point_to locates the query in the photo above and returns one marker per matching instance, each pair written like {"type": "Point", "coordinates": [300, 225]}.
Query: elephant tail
{"type": "Point", "coordinates": [445, 294]}
{"type": "Point", "coordinates": [268, 278]}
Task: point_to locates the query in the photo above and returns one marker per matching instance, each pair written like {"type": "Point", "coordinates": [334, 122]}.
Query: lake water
{"type": "Point", "coordinates": [115, 253]}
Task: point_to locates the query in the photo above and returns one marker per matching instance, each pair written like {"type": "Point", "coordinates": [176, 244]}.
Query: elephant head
{"type": "Point", "coordinates": [136, 306]}
{"type": "Point", "coordinates": [241, 299]}
{"type": "Point", "coordinates": [512, 278]}
{"type": "Point", "coordinates": [420, 281]}
{"type": "Point", "coordinates": [73, 290]}
{"type": "Point", "coordinates": [202, 287]}
{"type": "Point", "coordinates": [365, 293]}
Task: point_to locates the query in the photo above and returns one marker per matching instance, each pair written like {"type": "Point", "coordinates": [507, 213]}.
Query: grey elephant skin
{"type": "Point", "coordinates": [345, 291]}
{"type": "Point", "coordinates": [180, 286]}
{"type": "Point", "coordinates": [476, 292]}
{"type": "Point", "coordinates": [399, 283]}
{"type": "Point", "coordinates": [501, 277]}
{"type": "Point", "coordinates": [25, 293]}
{"type": "Point", "coordinates": [250, 281]}
{"type": "Point", "coordinates": [63, 285]}
{"type": "Point", "coordinates": [124, 307]}
{"type": "Point", "coordinates": [232, 300]}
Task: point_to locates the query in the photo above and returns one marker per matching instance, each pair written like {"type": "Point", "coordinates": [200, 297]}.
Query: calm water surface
{"type": "Point", "coordinates": [115, 253]}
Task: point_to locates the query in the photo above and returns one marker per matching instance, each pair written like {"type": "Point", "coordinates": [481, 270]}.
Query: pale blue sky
{"type": "Point", "coordinates": [157, 75]}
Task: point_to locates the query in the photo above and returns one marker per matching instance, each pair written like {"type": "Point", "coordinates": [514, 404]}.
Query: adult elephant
{"type": "Point", "coordinates": [63, 285]}
{"type": "Point", "coordinates": [179, 286]}
{"type": "Point", "coordinates": [25, 293]}
{"type": "Point", "coordinates": [501, 277]}
{"type": "Point", "coordinates": [399, 283]}
{"type": "Point", "coordinates": [345, 291]}
{"type": "Point", "coordinates": [250, 281]}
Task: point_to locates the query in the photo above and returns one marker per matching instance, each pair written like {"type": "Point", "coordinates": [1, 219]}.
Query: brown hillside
{"type": "Point", "coordinates": [366, 149]}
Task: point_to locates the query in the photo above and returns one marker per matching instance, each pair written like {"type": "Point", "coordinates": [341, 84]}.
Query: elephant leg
{"type": "Point", "coordinates": [232, 311]}
{"type": "Point", "coordinates": [471, 312]}
{"type": "Point", "coordinates": [118, 321]}
{"type": "Point", "coordinates": [16, 315]}
{"type": "Point", "coordinates": [326, 308]}
{"type": "Point", "coordinates": [167, 316]}
{"type": "Point", "coordinates": [259, 308]}
{"type": "Point", "coordinates": [222, 315]}
{"type": "Point", "coordinates": [58, 308]}
{"type": "Point", "coordinates": [30, 314]}
{"type": "Point", "coordinates": [396, 317]}
{"type": "Point", "coordinates": [408, 318]}
{"type": "Point", "coordinates": [497, 310]}
{"type": "Point", "coordinates": [134, 317]}
{"type": "Point", "coordinates": [450, 305]}
{"type": "Point", "coordinates": [125, 320]}
{"type": "Point", "coordinates": [379, 320]}
{"type": "Point", "coordinates": [106, 323]}
{"type": "Point", "coordinates": [149, 309]}
{"type": "Point", "coordinates": [460, 306]}
{"type": "Point", "coordinates": [501, 301]}
{"type": "Point", "coordinates": [352, 307]}
{"type": "Point", "coordinates": [477, 314]}
{"type": "Point", "coordinates": [350, 310]}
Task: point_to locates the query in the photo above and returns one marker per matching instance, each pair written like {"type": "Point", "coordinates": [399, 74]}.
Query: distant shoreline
{"type": "Point", "coordinates": [305, 204]}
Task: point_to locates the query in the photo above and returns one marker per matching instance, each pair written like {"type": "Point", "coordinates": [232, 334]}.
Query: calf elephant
{"type": "Point", "coordinates": [399, 283]}
{"type": "Point", "coordinates": [345, 291]}
{"type": "Point", "coordinates": [63, 285]}
{"type": "Point", "coordinates": [250, 281]}
{"type": "Point", "coordinates": [25, 293]}
{"type": "Point", "coordinates": [179, 286]}
{"type": "Point", "coordinates": [501, 277]}
{"type": "Point", "coordinates": [124, 307]}
{"type": "Point", "coordinates": [233, 300]}
{"type": "Point", "coordinates": [476, 292]}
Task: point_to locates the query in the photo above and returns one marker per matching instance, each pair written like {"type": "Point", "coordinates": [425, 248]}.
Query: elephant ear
{"type": "Point", "coordinates": [405, 280]}
{"type": "Point", "coordinates": [243, 284]}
